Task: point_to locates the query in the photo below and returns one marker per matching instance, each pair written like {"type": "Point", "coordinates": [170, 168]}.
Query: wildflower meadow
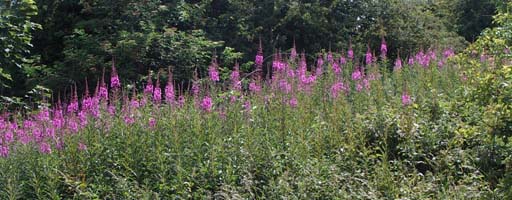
{"type": "Point", "coordinates": [344, 126]}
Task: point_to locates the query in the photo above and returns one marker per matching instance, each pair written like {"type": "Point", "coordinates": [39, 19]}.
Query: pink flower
{"type": "Point", "coordinates": [49, 132]}
{"type": "Point", "coordinates": [285, 86]}
{"type": "Point", "coordinates": [149, 87]}
{"type": "Point", "coordinates": [343, 60]}
{"type": "Point", "coordinates": [195, 88]}
{"type": "Point", "coordinates": [320, 61]}
{"type": "Point", "coordinates": [82, 146]}
{"type": "Point", "coordinates": [169, 90]}
{"type": "Point", "coordinates": [45, 148]}
{"type": "Point", "coordinates": [37, 134]}
{"type": "Point", "coordinates": [157, 92]}
{"type": "Point", "coordinates": [111, 109]}
{"type": "Point", "coordinates": [206, 104]}
{"type": "Point", "coordinates": [366, 84]}
{"type": "Point", "coordinates": [293, 102]}
{"type": "Point", "coordinates": [212, 72]}
{"type": "Point", "coordinates": [82, 116]}
{"type": "Point", "coordinates": [383, 48]}
{"type": "Point", "coordinates": [356, 75]}
{"type": "Point", "coordinates": [293, 53]}
{"type": "Point", "coordinates": [73, 125]}
{"type": "Point", "coordinates": [359, 87]}
{"type": "Point", "coordinates": [114, 78]}
{"type": "Point", "coordinates": [406, 99]}
{"type": "Point", "coordinates": [259, 56]}
{"type": "Point", "coordinates": [4, 151]}
{"type": "Point", "coordinates": [319, 71]}
{"type": "Point", "coordinates": [44, 115]}
{"type": "Point", "coordinates": [336, 68]}
{"type": "Point", "coordinates": [254, 87]}
{"type": "Point", "coordinates": [236, 84]}
{"type": "Point", "coordinates": [259, 59]}
{"type": "Point", "coordinates": [448, 53]}
{"type": "Point", "coordinates": [59, 144]}
{"type": "Point", "coordinates": [410, 61]}
{"type": "Point", "coordinates": [398, 64]}
{"type": "Point", "coordinates": [247, 106]}
{"type": "Point", "coordinates": [152, 122]}
{"type": "Point", "coordinates": [134, 103]}
{"type": "Point", "coordinates": [369, 56]}
{"type": "Point", "coordinates": [350, 53]}
{"type": "Point", "coordinates": [8, 136]}
{"type": "Point", "coordinates": [103, 91]}
{"type": "Point", "coordinates": [336, 88]}
{"type": "Point", "coordinates": [128, 120]}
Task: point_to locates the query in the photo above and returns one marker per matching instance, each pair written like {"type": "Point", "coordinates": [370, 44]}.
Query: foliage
{"type": "Point", "coordinates": [16, 30]}
{"type": "Point", "coordinates": [412, 133]}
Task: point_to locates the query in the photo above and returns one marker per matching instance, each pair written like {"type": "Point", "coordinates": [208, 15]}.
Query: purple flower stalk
{"type": "Point", "coordinates": [293, 102]}
{"type": "Point", "coordinates": [148, 90]}
{"type": "Point", "coordinates": [336, 68]}
{"type": "Point", "coordinates": [293, 53]}
{"type": "Point", "coordinates": [45, 148]}
{"type": "Point", "coordinates": [410, 61]}
{"type": "Point", "coordinates": [152, 122]}
{"type": "Point", "coordinates": [320, 61]}
{"type": "Point", "coordinates": [398, 64]}
{"type": "Point", "coordinates": [82, 146]}
{"type": "Point", "coordinates": [195, 88]}
{"type": "Point", "coordinates": [350, 52]}
{"type": "Point", "coordinates": [357, 74]}
{"type": "Point", "coordinates": [254, 87]}
{"type": "Point", "coordinates": [212, 71]}
{"type": "Point", "coordinates": [369, 56]}
{"type": "Point", "coordinates": [114, 78]}
{"type": "Point", "coordinates": [336, 88]}
{"type": "Point", "coordinates": [383, 48]}
{"type": "Point", "coordinates": [206, 104]}
{"type": "Point", "coordinates": [236, 84]}
{"type": "Point", "coordinates": [406, 99]}
{"type": "Point", "coordinates": [103, 91]}
{"type": "Point", "coordinates": [169, 89]}
{"type": "Point", "coordinates": [157, 92]}
{"type": "Point", "coordinates": [4, 151]}
{"type": "Point", "coordinates": [343, 60]}
{"type": "Point", "coordinates": [259, 57]}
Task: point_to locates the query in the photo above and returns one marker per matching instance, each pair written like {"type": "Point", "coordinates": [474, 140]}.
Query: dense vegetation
{"type": "Point", "coordinates": [56, 44]}
{"type": "Point", "coordinates": [395, 104]}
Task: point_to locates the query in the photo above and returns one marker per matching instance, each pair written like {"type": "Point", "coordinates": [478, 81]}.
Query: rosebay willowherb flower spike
{"type": "Point", "coordinates": [398, 63]}
{"type": "Point", "coordinates": [169, 89]}
{"type": "Point", "coordinates": [383, 48]}
{"type": "Point", "coordinates": [369, 56]}
{"type": "Point", "coordinates": [148, 90]}
{"type": "Point", "coordinates": [236, 84]}
{"type": "Point", "coordinates": [73, 104]}
{"type": "Point", "coordinates": [114, 78]}
{"type": "Point", "coordinates": [103, 90]}
{"type": "Point", "coordinates": [350, 52]}
{"type": "Point", "coordinates": [293, 53]}
{"type": "Point", "coordinates": [157, 91]}
{"type": "Point", "coordinates": [206, 104]}
{"type": "Point", "coordinates": [212, 70]}
{"type": "Point", "coordinates": [406, 99]}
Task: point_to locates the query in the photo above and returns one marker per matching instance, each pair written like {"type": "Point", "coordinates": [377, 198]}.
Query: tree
{"type": "Point", "coordinates": [15, 44]}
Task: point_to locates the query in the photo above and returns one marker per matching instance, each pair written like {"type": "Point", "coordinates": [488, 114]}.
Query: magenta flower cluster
{"type": "Point", "coordinates": [289, 80]}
